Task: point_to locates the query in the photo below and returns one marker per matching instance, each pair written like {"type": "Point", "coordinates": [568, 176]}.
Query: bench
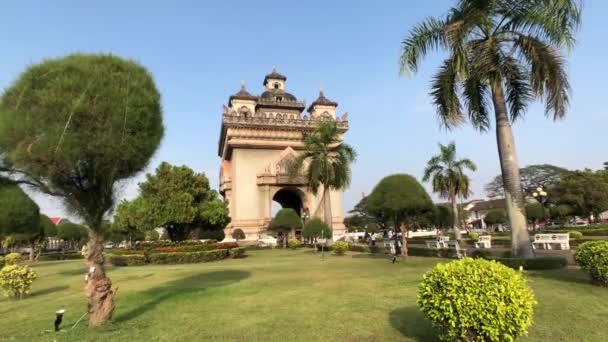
{"type": "Point", "coordinates": [460, 253]}
{"type": "Point", "coordinates": [441, 242]}
{"type": "Point", "coordinates": [548, 241]}
{"type": "Point", "coordinates": [485, 241]}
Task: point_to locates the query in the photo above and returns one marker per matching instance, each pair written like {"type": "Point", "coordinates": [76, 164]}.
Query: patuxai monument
{"type": "Point", "coordinates": [260, 135]}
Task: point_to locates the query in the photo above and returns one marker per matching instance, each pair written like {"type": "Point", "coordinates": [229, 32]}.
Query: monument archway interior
{"type": "Point", "coordinates": [290, 198]}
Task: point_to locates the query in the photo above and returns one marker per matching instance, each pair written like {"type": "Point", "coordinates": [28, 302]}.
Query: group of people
{"type": "Point", "coordinates": [391, 242]}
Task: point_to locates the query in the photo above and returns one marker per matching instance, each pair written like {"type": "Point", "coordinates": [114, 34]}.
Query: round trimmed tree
{"type": "Point", "coordinates": [285, 221]}
{"type": "Point", "coordinates": [238, 234]}
{"type": "Point", "coordinates": [73, 127]}
{"type": "Point", "coordinates": [495, 216]}
{"type": "Point", "coordinates": [316, 229]}
{"type": "Point", "coordinates": [403, 200]}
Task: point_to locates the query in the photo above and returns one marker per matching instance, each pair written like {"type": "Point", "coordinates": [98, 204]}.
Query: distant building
{"type": "Point", "coordinates": [478, 209]}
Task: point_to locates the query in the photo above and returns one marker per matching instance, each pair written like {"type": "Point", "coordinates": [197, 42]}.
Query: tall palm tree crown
{"type": "Point", "coordinates": [501, 52]}
{"type": "Point", "coordinates": [448, 178]}
{"type": "Point", "coordinates": [325, 162]}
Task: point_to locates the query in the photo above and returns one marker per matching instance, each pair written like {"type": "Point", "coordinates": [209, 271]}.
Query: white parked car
{"type": "Point", "coordinates": [267, 241]}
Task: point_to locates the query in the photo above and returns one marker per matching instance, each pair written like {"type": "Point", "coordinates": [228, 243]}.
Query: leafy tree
{"type": "Point", "coordinates": [562, 211]}
{"type": "Point", "coordinates": [328, 163]}
{"type": "Point", "coordinates": [495, 216]}
{"type": "Point", "coordinates": [502, 54]}
{"type": "Point", "coordinates": [532, 177]}
{"type": "Point", "coordinates": [73, 127]}
{"type": "Point", "coordinates": [181, 201]}
{"type": "Point", "coordinates": [130, 220]}
{"type": "Point", "coordinates": [316, 229]}
{"type": "Point", "coordinates": [19, 214]}
{"type": "Point", "coordinates": [49, 228]}
{"type": "Point", "coordinates": [586, 192]}
{"type": "Point", "coordinates": [74, 233]}
{"type": "Point", "coordinates": [238, 234]}
{"type": "Point", "coordinates": [286, 220]}
{"type": "Point", "coordinates": [443, 216]}
{"type": "Point", "coordinates": [152, 235]}
{"type": "Point", "coordinates": [401, 198]}
{"type": "Point", "coordinates": [448, 179]}
{"type": "Point", "coordinates": [535, 212]}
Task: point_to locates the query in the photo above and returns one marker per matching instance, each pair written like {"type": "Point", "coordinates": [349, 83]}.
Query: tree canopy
{"type": "Point", "coordinates": [181, 201]}
{"type": "Point", "coordinates": [49, 228]}
{"type": "Point", "coordinates": [535, 212]}
{"type": "Point", "coordinates": [532, 177]}
{"type": "Point", "coordinates": [19, 214]}
{"type": "Point", "coordinates": [285, 220]}
{"type": "Point", "coordinates": [495, 216]}
{"type": "Point", "coordinates": [586, 192]}
{"type": "Point", "coordinates": [316, 229]}
{"type": "Point", "coordinates": [70, 231]}
{"type": "Point", "coordinates": [443, 216]}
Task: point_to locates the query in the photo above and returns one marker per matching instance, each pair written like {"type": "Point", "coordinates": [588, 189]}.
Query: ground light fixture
{"type": "Point", "coordinates": [58, 319]}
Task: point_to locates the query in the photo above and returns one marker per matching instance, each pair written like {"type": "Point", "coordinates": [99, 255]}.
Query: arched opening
{"type": "Point", "coordinates": [289, 197]}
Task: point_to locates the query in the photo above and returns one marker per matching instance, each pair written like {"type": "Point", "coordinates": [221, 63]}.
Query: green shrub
{"type": "Point", "coordinates": [339, 247]}
{"type": "Point", "coordinates": [126, 260]}
{"type": "Point", "coordinates": [293, 243]}
{"type": "Point", "coordinates": [538, 263]}
{"type": "Point", "coordinates": [217, 235]}
{"type": "Point", "coordinates": [474, 236]}
{"type": "Point", "coordinates": [188, 257]}
{"type": "Point", "coordinates": [16, 280]}
{"type": "Point", "coordinates": [60, 256]}
{"type": "Point", "coordinates": [1, 262]}
{"type": "Point", "coordinates": [574, 235]}
{"type": "Point", "coordinates": [236, 253]}
{"type": "Point", "coordinates": [476, 300]}
{"type": "Point", "coordinates": [13, 258]}
{"type": "Point", "coordinates": [152, 235]}
{"type": "Point", "coordinates": [593, 258]}
{"type": "Point", "coordinates": [358, 247]}
{"type": "Point", "coordinates": [428, 252]}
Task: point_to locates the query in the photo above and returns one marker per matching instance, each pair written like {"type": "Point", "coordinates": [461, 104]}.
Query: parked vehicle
{"type": "Point", "coordinates": [267, 241]}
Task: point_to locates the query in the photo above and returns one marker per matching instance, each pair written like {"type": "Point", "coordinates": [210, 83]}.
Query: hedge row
{"type": "Point", "coordinates": [174, 258]}
{"type": "Point", "coordinates": [538, 263]}
{"type": "Point", "coordinates": [60, 256]}
{"type": "Point", "coordinates": [586, 232]}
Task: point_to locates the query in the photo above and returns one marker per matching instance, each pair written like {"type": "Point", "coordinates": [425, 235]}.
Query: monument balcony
{"type": "Point", "coordinates": [281, 103]}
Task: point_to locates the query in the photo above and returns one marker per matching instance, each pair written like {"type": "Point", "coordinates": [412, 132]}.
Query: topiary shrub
{"type": "Point", "coordinates": [13, 258]}
{"type": "Point", "coordinates": [238, 234]}
{"type": "Point", "coordinates": [339, 247]}
{"type": "Point", "coordinates": [476, 300]}
{"type": "Point", "coordinates": [474, 236]}
{"type": "Point", "coordinates": [293, 243]}
{"type": "Point", "coordinates": [16, 280]}
{"type": "Point", "coordinates": [574, 235]}
{"type": "Point", "coordinates": [593, 258]}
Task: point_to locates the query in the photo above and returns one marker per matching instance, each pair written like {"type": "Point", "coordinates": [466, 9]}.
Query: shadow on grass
{"type": "Point", "coordinates": [567, 275]}
{"type": "Point", "coordinates": [183, 287]}
{"type": "Point", "coordinates": [48, 290]}
{"type": "Point", "coordinates": [411, 323]}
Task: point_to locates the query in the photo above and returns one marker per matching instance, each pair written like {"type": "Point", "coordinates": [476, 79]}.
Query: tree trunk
{"type": "Point", "coordinates": [456, 220]}
{"type": "Point", "coordinates": [98, 287]}
{"type": "Point", "coordinates": [32, 251]}
{"type": "Point", "coordinates": [404, 240]}
{"type": "Point", "coordinates": [520, 239]}
{"type": "Point", "coordinates": [327, 207]}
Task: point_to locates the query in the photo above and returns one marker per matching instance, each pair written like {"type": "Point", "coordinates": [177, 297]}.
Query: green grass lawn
{"type": "Point", "coordinates": [283, 296]}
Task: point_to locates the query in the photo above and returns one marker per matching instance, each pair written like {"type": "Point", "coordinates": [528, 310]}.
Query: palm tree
{"type": "Point", "coordinates": [507, 53]}
{"type": "Point", "coordinates": [325, 162]}
{"type": "Point", "coordinates": [448, 179]}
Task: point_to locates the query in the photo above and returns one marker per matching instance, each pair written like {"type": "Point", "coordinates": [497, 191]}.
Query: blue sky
{"type": "Point", "coordinates": [200, 51]}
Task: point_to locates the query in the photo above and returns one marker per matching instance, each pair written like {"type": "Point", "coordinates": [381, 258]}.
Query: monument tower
{"type": "Point", "coordinates": [258, 138]}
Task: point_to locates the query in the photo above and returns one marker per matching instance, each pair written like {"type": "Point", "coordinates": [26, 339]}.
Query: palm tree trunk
{"type": "Point", "coordinates": [456, 223]}
{"type": "Point", "coordinates": [327, 206]}
{"type": "Point", "coordinates": [98, 287]}
{"type": "Point", "coordinates": [520, 239]}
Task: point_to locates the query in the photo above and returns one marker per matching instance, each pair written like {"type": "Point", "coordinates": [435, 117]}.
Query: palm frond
{"type": "Point", "coordinates": [424, 37]}
{"type": "Point", "coordinates": [519, 92]}
{"type": "Point", "coordinates": [445, 96]}
{"type": "Point", "coordinates": [476, 97]}
{"type": "Point", "coordinates": [548, 78]}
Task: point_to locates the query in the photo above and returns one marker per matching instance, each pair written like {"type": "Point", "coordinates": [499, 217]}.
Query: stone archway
{"type": "Point", "coordinates": [290, 197]}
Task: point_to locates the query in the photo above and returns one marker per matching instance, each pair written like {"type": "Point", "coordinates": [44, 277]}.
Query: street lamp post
{"type": "Point", "coordinates": [541, 196]}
